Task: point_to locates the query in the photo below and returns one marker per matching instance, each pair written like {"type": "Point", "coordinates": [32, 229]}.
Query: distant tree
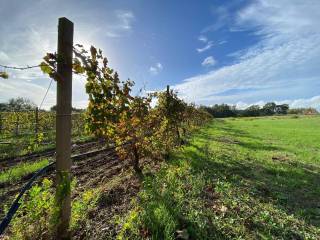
{"type": "Point", "coordinates": [225, 110]}
{"type": "Point", "coordinates": [304, 111]}
{"type": "Point", "coordinates": [269, 109]}
{"type": "Point", "coordinates": [220, 110]}
{"type": "Point", "coordinates": [17, 104]}
{"type": "Point", "coordinates": [282, 109]}
{"type": "Point", "coordinates": [252, 111]}
{"type": "Point", "coordinates": [54, 108]}
{"type": "Point", "coordinates": [4, 107]}
{"type": "Point", "coordinates": [310, 111]}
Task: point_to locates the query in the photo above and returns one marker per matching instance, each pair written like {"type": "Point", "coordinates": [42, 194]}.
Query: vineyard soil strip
{"type": "Point", "coordinates": [15, 205]}
{"type": "Point", "coordinates": [10, 161]}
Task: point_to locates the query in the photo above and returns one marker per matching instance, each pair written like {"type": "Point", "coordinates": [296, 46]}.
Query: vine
{"type": "Point", "coordinates": [137, 129]}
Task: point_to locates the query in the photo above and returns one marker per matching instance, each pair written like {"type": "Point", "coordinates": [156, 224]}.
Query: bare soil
{"type": "Point", "coordinates": [93, 169]}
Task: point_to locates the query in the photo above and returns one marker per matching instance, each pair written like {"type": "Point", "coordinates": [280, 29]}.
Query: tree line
{"type": "Point", "coordinates": [21, 104]}
{"type": "Point", "coordinates": [269, 109]}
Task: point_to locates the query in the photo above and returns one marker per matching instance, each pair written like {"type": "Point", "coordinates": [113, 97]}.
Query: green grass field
{"type": "Point", "coordinates": [244, 178]}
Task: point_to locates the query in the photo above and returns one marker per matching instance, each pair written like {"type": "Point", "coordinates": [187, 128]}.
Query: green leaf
{"type": "Point", "coordinates": [45, 68]}
{"type": "Point", "coordinates": [4, 75]}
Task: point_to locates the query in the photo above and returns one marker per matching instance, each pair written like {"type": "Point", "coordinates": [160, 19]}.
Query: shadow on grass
{"type": "Point", "coordinates": [291, 187]}
{"type": "Point", "coordinates": [166, 219]}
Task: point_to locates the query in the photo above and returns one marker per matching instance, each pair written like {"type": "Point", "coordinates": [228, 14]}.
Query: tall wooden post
{"type": "Point", "coordinates": [168, 94]}
{"type": "Point", "coordinates": [36, 126]}
{"type": "Point", "coordinates": [63, 127]}
{"type": "Point", "coordinates": [1, 123]}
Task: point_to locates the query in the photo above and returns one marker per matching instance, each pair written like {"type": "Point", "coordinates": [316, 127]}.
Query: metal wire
{"type": "Point", "coordinates": [45, 95]}
{"type": "Point", "coordinates": [21, 68]}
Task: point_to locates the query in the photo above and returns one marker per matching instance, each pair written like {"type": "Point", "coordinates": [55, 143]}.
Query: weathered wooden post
{"type": "Point", "coordinates": [63, 127]}
{"type": "Point", "coordinates": [36, 126]}
{"type": "Point", "coordinates": [1, 124]}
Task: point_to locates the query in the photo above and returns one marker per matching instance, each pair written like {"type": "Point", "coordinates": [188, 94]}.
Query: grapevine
{"type": "Point", "coordinates": [128, 121]}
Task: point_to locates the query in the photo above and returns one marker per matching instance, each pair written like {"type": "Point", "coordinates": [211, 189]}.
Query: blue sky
{"type": "Point", "coordinates": [237, 52]}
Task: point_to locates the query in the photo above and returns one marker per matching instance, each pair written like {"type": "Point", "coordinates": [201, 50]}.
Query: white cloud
{"type": "Point", "coordinates": [206, 47]}
{"type": "Point", "coordinates": [202, 38]}
{"type": "Point", "coordinates": [222, 42]}
{"type": "Point", "coordinates": [284, 64]}
{"type": "Point", "coordinates": [222, 16]}
{"type": "Point", "coordinates": [13, 88]}
{"type": "Point", "coordinates": [125, 19]}
{"type": "Point", "coordinates": [208, 61]}
{"type": "Point", "coordinates": [313, 102]}
{"type": "Point", "coordinates": [155, 69]}
{"type": "Point", "coordinates": [26, 41]}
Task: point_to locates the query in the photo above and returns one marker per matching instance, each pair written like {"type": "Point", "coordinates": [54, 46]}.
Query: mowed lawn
{"type": "Point", "coordinates": [243, 178]}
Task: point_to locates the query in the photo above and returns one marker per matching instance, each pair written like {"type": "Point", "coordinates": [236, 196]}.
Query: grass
{"type": "Point", "coordinates": [20, 170]}
{"type": "Point", "coordinates": [22, 144]}
{"type": "Point", "coordinates": [36, 217]}
{"type": "Point", "coordinates": [244, 178]}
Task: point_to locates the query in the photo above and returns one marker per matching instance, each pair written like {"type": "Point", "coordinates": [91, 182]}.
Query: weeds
{"type": "Point", "coordinates": [22, 169]}
{"type": "Point", "coordinates": [35, 218]}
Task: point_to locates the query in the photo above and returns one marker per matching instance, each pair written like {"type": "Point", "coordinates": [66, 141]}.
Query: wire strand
{"type": "Point", "coordinates": [21, 68]}
{"type": "Point", "coordinates": [45, 95]}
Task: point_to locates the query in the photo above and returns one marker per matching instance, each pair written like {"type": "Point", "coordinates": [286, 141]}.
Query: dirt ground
{"type": "Point", "coordinates": [92, 170]}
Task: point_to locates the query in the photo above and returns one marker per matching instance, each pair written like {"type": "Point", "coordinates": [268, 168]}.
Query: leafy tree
{"type": "Point", "coordinates": [282, 109]}
{"type": "Point", "coordinates": [253, 110]}
{"type": "Point", "coordinates": [269, 108]}
{"type": "Point", "coordinates": [17, 105]}
{"type": "Point", "coordinates": [224, 110]}
{"type": "Point", "coordinates": [4, 107]}
{"type": "Point", "coordinates": [221, 110]}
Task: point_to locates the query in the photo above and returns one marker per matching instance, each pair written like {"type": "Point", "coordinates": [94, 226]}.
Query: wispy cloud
{"type": "Point", "coordinates": [222, 17]}
{"type": "Point", "coordinates": [206, 47]}
{"type": "Point", "coordinates": [284, 64]}
{"type": "Point", "coordinates": [126, 18]}
{"type": "Point", "coordinates": [202, 38]}
{"type": "Point", "coordinates": [208, 61]}
{"type": "Point", "coordinates": [156, 69]}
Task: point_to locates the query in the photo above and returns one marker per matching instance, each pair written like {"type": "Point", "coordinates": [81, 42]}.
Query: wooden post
{"type": "Point", "coordinates": [63, 127]}
{"type": "Point", "coordinates": [36, 126]}
{"type": "Point", "coordinates": [1, 123]}
{"type": "Point", "coordinates": [168, 94]}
